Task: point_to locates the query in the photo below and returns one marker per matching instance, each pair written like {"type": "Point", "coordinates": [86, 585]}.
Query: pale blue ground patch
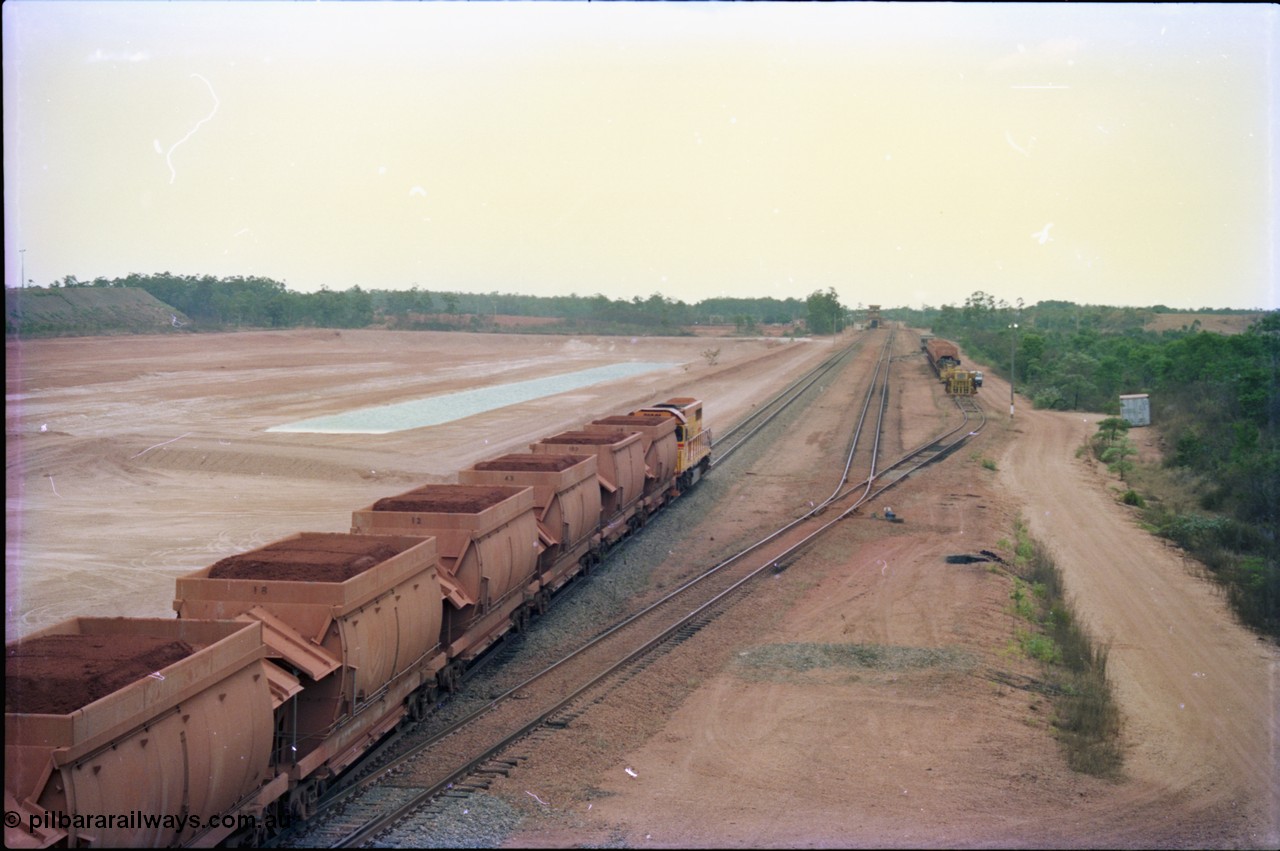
{"type": "Point", "coordinates": [435, 410]}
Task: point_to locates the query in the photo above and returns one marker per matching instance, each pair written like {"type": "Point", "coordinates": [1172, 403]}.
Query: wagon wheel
{"type": "Point", "coordinates": [302, 801]}
{"type": "Point", "coordinates": [520, 620]}
{"type": "Point", "coordinates": [450, 677]}
{"type": "Point", "coordinates": [542, 601]}
{"type": "Point", "coordinates": [417, 705]}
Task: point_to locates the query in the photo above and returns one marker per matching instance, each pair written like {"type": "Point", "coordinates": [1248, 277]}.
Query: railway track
{"type": "Point", "coordinates": [338, 795]}
{"type": "Point", "coordinates": [464, 757]}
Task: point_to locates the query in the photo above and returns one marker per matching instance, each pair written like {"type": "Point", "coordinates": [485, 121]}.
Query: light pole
{"type": "Point", "coordinates": [1013, 340]}
{"type": "Point", "coordinates": [22, 255]}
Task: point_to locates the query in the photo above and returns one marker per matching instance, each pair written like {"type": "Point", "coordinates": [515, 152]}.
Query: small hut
{"type": "Point", "coordinates": [1135, 409]}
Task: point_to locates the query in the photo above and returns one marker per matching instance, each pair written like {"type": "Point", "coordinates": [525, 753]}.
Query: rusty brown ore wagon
{"type": "Point", "coordinates": [943, 356]}
{"type": "Point", "coordinates": [352, 626]}
{"type": "Point", "coordinates": [131, 718]}
{"type": "Point", "coordinates": [566, 502]}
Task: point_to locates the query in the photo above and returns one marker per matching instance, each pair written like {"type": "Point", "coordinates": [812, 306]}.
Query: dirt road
{"type": "Point", "coordinates": [1199, 693]}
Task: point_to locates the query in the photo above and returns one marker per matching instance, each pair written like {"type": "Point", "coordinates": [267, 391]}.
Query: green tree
{"type": "Point", "coordinates": [1111, 427]}
{"type": "Point", "coordinates": [826, 314]}
{"type": "Point", "coordinates": [1117, 457]}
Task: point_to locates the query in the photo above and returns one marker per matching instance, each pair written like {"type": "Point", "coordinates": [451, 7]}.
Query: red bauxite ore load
{"type": "Point", "coordinates": [58, 674]}
{"type": "Point", "coordinates": [432, 499]}
{"type": "Point", "coordinates": [333, 558]}
{"type": "Point", "coordinates": [121, 715]}
{"type": "Point", "coordinates": [529, 463]}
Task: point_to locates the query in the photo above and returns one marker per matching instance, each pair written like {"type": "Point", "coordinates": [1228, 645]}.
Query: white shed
{"type": "Point", "coordinates": [1135, 408]}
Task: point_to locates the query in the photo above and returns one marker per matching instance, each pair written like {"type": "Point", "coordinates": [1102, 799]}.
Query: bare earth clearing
{"type": "Point", "coordinates": [131, 461]}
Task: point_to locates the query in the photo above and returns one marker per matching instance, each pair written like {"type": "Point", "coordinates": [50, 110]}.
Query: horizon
{"type": "Point", "coordinates": [1114, 154]}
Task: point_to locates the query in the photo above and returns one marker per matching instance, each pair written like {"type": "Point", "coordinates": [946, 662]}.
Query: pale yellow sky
{"type": "Point", "coordinates": [900, 153]}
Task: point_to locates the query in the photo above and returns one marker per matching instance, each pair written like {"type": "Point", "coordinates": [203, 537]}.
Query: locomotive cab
{"type": "Point", "coordinates": [693, 441]}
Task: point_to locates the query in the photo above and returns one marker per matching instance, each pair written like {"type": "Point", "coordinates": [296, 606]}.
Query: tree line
{"type": "Point", "coordinates": [257, 302]}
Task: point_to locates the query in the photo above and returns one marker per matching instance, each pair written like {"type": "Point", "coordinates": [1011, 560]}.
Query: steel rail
{"type": "Point", "coordinates": [795, 390]}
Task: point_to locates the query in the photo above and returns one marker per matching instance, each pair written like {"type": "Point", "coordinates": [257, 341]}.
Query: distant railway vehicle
{"type": "Point", "coordinates": [288, 662]}
{"type": "Point", "coordinates": [944, 357]}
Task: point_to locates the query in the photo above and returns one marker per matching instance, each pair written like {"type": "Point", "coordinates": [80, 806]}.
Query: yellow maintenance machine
{"type": "Point", "coordinates": [960, 382]}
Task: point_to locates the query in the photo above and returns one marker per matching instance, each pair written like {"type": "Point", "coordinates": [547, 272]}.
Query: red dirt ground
{"type": "Point", "coordinates": [131, 461]}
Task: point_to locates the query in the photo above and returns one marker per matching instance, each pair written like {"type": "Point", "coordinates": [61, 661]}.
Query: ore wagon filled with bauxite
{"type": "Point", "coordinates": [487, 539]}
{"type": "Point", "coordinates": [566, 501]}
{"type": "Point", "coordinates": [658, 439]}
{"type": "Point", "coordinates": [943, 356]}
{"type": "Point", "coordinates": [353, 626]}
{"type": "Point", "coordinates": [159, 724]}
{"type": "Point", "coordinates": [619, 471]}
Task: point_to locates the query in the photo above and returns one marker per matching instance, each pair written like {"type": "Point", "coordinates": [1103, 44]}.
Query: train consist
{"type": "Point", "coordinates": [286, 663]}
{"type": "Point", "coordinates": [944, 357]}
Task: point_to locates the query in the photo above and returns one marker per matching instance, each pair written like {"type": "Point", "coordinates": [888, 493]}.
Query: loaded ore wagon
{"type": "Point", "coordinates": [620, 471]}
{"type": "Point", "coordinates": [566, 502]}
{"type": "Point", "coordinates": [352, 623]}
{"type": "Point", "coordinates": [658, 439]}
{"type": "Point", "coordinates": [124, 732]}
{"type": "Point", "coordinates": [944, 357]}
{"type": "Point", "coordinates": [488, 544]}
